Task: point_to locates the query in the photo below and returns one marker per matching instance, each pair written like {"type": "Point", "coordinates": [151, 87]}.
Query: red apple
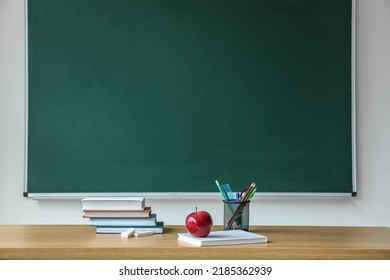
{"type": "Point", "coordinates": [199, 224]}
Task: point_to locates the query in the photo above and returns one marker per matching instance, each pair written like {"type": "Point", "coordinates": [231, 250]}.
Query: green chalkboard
{"type": "Point", "coordinates": [169, 95]}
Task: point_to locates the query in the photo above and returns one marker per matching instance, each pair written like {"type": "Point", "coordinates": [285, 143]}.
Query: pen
{"type": "Point", "coordinates": [238, 196]}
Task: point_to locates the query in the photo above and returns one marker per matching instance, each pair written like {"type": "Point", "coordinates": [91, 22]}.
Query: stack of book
{"type": "Point", "coordinates": [118, 214]}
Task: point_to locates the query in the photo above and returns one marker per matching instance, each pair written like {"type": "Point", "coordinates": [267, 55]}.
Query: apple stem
{"type": "Point", "coordinates": [196, 209]}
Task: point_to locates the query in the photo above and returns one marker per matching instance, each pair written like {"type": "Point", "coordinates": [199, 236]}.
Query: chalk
{"type": "Point", "coordinates": [128, 233]}
{"type": "Point", "coordinates": [143, 233]}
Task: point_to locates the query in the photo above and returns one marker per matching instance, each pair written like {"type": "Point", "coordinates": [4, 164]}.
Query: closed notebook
{"type": "Point", "coordinates": [118, 214]}
{"type": "Point", "coordinates": [113, 203]}
{"type": "Point", "coordinates": [226, 237]}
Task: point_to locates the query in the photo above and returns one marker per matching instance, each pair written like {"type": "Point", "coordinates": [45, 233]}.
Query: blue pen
{"type": "Point", "coordinates": [238, 196]}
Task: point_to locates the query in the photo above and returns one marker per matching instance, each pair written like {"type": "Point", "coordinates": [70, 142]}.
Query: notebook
{"type": "Point", "coordinates": [113, 203]}
{"type": "Point", "coordinates": [226, 237]}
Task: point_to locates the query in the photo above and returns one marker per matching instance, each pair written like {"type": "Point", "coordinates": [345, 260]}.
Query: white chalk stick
{"type": "Point", "coordinates": [128, 233]}
{"type": "Point", "coordinates": [143, 233]}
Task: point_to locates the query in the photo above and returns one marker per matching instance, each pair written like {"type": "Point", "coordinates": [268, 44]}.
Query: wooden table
{"type": "Point", "coordinates": [81, 242]}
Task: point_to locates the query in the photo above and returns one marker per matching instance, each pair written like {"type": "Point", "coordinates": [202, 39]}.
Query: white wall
{"type": "Point", "coordinates": [371, 207]}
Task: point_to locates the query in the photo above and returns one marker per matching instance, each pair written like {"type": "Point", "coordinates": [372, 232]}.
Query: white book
{"type": "Point", "coordinates": [118, 213]}
{"type": "Point", "coordinates": [113, 203]}
{"type": "Point", "coordinates": [226, 237]}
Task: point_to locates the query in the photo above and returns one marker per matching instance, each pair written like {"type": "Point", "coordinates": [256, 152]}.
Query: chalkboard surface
{"type": "Point", "coordinates": [169, 95]}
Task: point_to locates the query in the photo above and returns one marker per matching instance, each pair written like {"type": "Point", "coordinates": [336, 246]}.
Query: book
{"type": "Point", "coordinates": [158, 228]}
{"type": "Point", "coordinates": [124, 221]}
{"type": "Point", "coordinates": [118, 213]}
{"type": "Point", "coordinates": [113, 203]}
{"type": "Point", "coordinates": [226, 237]}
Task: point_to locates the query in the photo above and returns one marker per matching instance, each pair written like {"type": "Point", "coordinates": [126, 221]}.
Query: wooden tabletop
{"type": "Point", "coordinates": [81, 242]}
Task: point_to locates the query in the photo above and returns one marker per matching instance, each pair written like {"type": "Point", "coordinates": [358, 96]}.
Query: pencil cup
{"type": "Point", "coordinates": [236, 215]}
